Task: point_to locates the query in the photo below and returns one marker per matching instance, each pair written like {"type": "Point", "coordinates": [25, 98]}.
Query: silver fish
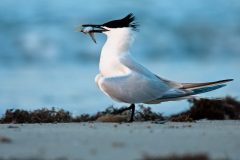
{"type": "Point", "coordinates": [87, 30]}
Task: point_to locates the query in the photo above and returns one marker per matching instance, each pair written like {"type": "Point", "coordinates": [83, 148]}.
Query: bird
{"type": "Point", "coordinates": [123, 79]}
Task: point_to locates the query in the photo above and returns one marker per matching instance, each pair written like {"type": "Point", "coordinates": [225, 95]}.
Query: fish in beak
{"type": "Point", "coordinates": [91, 29]}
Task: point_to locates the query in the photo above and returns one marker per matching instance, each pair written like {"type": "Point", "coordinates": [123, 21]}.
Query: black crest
{"type": "Point", "coordinates": [127, 21]}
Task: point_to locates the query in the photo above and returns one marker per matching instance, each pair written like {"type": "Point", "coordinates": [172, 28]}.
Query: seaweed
{"type": "Point", "coordinates": [146, 114]}
{"type": "Point", "coordinates": [211, 109]}
{"type": "Point", "coordinates": [178, 157]}
{"type": "Point", "coordinates": [54, 115]}
{"type": "Point", "coordinates": [43, 115]}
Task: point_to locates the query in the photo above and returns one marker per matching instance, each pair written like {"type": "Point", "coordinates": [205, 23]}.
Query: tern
{"type": "Point", "coordinates": [125, 80]}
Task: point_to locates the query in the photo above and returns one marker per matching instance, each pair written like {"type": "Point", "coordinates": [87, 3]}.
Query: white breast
{"type": "Point", "coordinates": [115, 49]}
{"type": "Point", "coordinates": [111, 66]}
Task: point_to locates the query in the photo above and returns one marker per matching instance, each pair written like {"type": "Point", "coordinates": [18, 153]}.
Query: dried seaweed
{"type": "Point", "coordinates": [211, 109]}
{"type": "Point", "coordinates": [178, 157]}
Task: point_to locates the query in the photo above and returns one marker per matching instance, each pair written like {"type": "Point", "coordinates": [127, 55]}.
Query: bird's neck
{"type": "Point", "coordinates": [115, 48]}
{"type": "Point", "coordinates": [118, 41]}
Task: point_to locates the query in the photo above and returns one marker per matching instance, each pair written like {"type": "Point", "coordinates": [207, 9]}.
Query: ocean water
{"type": "Point", "coordinates": [72, 87]}
{"type": "Point", "coordinates": [45, 63]}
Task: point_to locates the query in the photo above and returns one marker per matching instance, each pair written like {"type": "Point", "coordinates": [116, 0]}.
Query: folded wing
{"type": "Point", "coordinates": [187, 90]}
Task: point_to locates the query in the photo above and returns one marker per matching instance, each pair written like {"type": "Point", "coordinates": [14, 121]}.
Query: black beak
{"type": "Point", "coordinates": [90, 29]}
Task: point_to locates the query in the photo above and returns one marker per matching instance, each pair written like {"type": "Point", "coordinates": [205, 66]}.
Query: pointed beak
{"type": "Point", "coordinates": [91, 29]}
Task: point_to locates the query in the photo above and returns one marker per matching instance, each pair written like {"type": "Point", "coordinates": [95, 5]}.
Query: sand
{"type": "Point", "coordinates": [112, 141]}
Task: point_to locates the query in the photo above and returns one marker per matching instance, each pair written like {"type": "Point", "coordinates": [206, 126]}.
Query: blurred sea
{"type": "Point", "coordinates": [45, 63]}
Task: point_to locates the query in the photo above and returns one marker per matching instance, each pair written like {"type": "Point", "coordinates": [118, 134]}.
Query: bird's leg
{"type": "Point", "coordinates": [132, 107]}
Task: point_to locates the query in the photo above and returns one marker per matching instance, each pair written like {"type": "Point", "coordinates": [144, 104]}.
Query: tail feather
{"type": "Point", "coordinates": [206, 89]}
{"type": "Point", "coordinates": [192, 89]}
{"type": "Point", "coordinates": [199, 85]}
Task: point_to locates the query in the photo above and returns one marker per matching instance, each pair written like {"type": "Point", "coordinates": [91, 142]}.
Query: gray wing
{"type": "Point", "coordinates": [134, 87]}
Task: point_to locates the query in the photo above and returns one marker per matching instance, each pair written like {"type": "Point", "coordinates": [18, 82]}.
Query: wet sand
{"type": "Point", "coordinates": [113, 141]}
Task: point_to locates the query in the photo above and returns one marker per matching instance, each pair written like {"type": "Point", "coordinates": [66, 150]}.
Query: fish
{"type": "Point", "coordinates": [87, 30]}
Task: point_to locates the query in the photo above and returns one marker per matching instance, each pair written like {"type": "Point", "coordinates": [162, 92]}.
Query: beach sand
{"type": "Point", "coordinates": [113, 141]}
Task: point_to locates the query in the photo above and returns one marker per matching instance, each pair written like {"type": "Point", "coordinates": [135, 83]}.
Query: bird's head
{"type": "Point", "coordinates": [110, 27]}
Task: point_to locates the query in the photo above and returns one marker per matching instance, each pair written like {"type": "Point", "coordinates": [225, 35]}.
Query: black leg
{"type": "Point", "coordinates": [132, 107]}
